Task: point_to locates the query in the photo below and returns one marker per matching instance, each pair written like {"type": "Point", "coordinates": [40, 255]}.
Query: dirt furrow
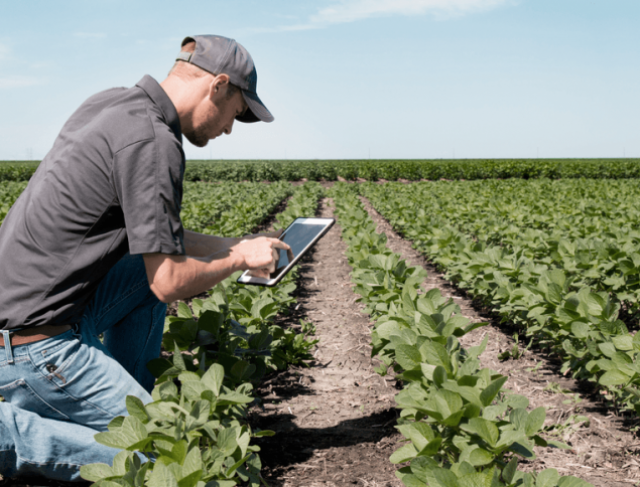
{"type": "Point", "coordinates": [333, 420]}
{"type": "Point", "coordinates": [604, 449]}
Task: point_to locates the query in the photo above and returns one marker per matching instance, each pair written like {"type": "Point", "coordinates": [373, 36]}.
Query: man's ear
{"type": "Point", "coordinates": [217, 85]}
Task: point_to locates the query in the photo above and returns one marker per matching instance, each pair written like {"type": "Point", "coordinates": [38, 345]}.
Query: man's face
{"type": "Point", "coordinates": [215, 115]}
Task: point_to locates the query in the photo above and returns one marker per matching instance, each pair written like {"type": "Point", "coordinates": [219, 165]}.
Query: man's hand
{"type": "Point", "coordinates": [260, 253]}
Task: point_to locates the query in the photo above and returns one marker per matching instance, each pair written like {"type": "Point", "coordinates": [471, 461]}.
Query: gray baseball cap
{"type": "Point", "coordinates": [217, 55]}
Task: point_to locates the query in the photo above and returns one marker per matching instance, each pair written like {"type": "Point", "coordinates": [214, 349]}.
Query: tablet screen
{"type": "Point", "coordinates": [298, 236]}
{"type": "Point", "coordinates": [301, 235]}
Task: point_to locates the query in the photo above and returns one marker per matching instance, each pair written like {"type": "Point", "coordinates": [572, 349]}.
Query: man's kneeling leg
{"type": "Point", "coordinates": [130, 316]}
{"type": "Point", "coordinates": [31, 445]}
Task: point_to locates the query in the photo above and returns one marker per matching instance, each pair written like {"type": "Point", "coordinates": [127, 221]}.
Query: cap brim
{"type": "Point", "coordinates": [256, 111]}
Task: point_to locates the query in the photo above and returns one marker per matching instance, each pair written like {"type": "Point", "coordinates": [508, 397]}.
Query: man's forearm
{"type": "Point", "coordinates": [178, 277]}
{"type": "Point", "coordinates": [200, 245]}
{"type": "Point", "coordinates": [174, 277]}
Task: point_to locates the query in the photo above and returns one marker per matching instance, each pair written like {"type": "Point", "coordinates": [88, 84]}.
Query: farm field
{"type": "Point", "coordinates": [374, 170]}
{"type": "Point", "coordinates": [449, 397]}
{"type": "Point", "coordinates": [559, 259]}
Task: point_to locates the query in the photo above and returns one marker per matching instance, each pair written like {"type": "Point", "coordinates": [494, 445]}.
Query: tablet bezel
{"type": "Point", "coordinates": [261, 281]}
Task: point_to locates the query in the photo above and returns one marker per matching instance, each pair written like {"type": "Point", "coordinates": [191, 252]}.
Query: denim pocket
{"type": "Point", "coordinates": [20, 395]}
{"type": "Point", "coordinates": [59, 361]}
{"type": "Point", "coordinates": [76, 377]}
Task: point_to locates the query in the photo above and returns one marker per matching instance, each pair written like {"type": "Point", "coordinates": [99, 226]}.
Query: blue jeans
{"type": "Point", "coordinates": [61, 391]}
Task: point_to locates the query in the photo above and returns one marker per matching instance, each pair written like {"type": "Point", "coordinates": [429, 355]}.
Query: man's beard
{"type": "Point", "coordinates": [198, 137]}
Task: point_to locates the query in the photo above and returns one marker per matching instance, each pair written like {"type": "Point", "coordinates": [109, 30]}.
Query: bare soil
{"type": "Point", "coordinates": [334, 419]}
{"type": "Point", "coordinates": [605, 451]}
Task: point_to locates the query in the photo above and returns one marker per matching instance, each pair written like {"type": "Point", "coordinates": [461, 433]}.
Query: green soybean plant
{"type": "Point", "coordinates": [463, 428]}
{"type": "Point", "coordinates": [558, 258]}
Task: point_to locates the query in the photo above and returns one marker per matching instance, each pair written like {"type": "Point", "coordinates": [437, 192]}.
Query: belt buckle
{"type": "Point", "coordinates": [7, 346]}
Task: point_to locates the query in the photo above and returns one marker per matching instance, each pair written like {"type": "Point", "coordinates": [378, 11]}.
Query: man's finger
{"type": "Point", "coordinates": [279, 244]}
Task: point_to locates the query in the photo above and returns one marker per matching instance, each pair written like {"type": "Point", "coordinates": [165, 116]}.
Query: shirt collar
{"type": "Point", "coordinates": [162, 100]}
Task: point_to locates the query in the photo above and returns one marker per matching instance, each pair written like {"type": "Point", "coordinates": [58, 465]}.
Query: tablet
{"type": "Point", "coordinates": [301, 235]}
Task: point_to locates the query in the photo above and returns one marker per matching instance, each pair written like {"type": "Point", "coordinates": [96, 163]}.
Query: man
{"type": "Point", "coordinates": [95, 246]}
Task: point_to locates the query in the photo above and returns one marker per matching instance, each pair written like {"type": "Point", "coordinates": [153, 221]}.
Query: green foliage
{"type": "Point", "coordinates": [196, 429]}
{"type": "Point", "coordinates": [412, 170]}
{"type": "Point", "coordinates": [254, 308]}
{"type": "Point", "coordinates": [373, 170]}
{"type": "Point", "coordinates": [515, 353]}
{"type": "Point", "coordinates": [303, 203]}
{"type": "Point", "coordinates": [9, 193]}
{"type": "Point", "coordinates": [17, 170]}
{"type": "Point", "coordinates": [231, 210]}
{"type": "Point", "coordinates": [194, 432]}
{"type": "Point", "coordinates": [462, 427]}
{"type": "Point", "coordinates": [558, 258]}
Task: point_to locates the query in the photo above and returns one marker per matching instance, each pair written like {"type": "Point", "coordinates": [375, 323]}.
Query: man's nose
{"type": "Point", "coordinates": [228, 129]}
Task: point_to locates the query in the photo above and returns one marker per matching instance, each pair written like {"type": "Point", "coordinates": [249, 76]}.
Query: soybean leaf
{"type": "Point", "coordinates": [491, 391]}
{"type": "Point", "coordinates": [408, 356]}
{"type": "Point", "coordinates": [535, 421]}
{"type": "Point", "coordinates": [227, 441]}
{"type": "Point", "coordinates": [161, 476]}
{"type": "Point", "coordinates": [213, 378]}
{"type": "Point", "coordinates": [242, 370]}
{"type": "Point", "coordinates": [184, 311]}
{"type": "Point", "coordinates": [136, 408]}
{"type": "Point", "coordinates": [613, 377]}
{"type": "Point", "coordinates": [190, 480]}
{"type": "Point", "coordinates": [479, 457]}
{"type": "Point", "coordinates": [431, 448]}
{"type": "Point", "coordinates": [259, 434]}
{"type": "Point", "coordinates": [403, 454]}
{"type": "Point", "coordinates": [95, 471]}
{"type": "Point", "coordinates": [412, 481]}
{"type": "Point", "coordinates": [573, 482]}
{"type": "Point", "coordinates": [221, 483]}
{"type": "Point", "coordinates": [558, 444]}
{"type": "Point", "coordinates": [131, 433]}
{"type": "Point", "coordinates": [487, 430]}
{"type": "Point", "coordinates": [510, 470]}
{"type": "Point", "coordinates": [178, 360]}
{"type": "Point", "coordinates": [445, 478]}
{"type": "Point", "coordinates": [548, 478]}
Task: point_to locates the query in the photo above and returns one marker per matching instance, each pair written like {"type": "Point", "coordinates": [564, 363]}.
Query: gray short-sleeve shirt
{"type": "Point", "coordinates": [111, 184]}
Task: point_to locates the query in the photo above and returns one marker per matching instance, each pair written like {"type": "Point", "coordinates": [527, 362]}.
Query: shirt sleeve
{"type": "Point", "coordinates": [148, 177]}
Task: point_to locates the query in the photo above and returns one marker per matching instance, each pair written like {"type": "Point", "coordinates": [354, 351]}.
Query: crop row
{"type": "Point", "coordinates": [558, 258]}
{"type": "Point", "coordinates": [463, 427]}
{"type": "Point", "coordinates": [231, 210]}
{"type": "Point", "coordinates": [413, 170]}
{"type": "Point", "coordinates": [196, 427]}
{"type": "Point", "coordinates": [9, 192]}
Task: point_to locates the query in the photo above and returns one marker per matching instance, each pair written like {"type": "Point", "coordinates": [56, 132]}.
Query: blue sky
{"type": "Point", "coordinates": [349, 78]}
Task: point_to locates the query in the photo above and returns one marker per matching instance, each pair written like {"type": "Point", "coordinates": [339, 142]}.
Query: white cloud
{"type": "Point", "coordinates": [8, 82]}
{"type": "Point", "coordinates": [344, 11]}
{"type": "Point", "coordinates": [90, 35]}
